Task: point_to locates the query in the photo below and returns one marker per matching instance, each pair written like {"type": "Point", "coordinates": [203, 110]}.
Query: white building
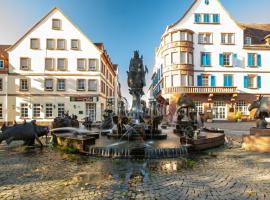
{"type": "Point", "coordinates": [220, 63]}
{"type": "Point", "coordinates": [55, 68]}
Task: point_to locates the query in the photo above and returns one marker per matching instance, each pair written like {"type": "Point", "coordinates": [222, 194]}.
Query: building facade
{"type": "Point", "coordinates": [55, 68]}
{"type": "Point", "coordinates": [220, 63]}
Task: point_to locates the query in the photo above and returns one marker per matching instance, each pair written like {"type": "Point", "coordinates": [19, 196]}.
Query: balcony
{"type": "Point", "coordinates": [200, 90]}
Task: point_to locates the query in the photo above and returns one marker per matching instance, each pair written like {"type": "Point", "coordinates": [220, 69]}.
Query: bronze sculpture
{"type": "Point", "coordinates": [262, 104]}
{"type": "Point", "coordinates": [136, 82]}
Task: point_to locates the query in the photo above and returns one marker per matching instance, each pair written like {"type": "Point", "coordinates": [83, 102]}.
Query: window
{"type": "Point", "coordinates": [92, 64]}
{"type": "Point", "coordinates": [242, 106]}
{"type": "Point", "coordinates": [24, 85]}
{"type": "Point", "coordinates": [91, 111]}
{"type": "Point", "coordinates": [61, 64]}
{"type": "Point", "coordinates": [205, 38]}
{"type": "Point", "coordinates": [205, 59]}
{"type": "Point", "coordinates": [2, 64]}
{"type": "Point", "coordinates": [190, 37]}
{"type": "Point", "coordinates": [252, 82]}
{"type": "Point", "coordinates": [254, 60]}
{"type": "Point", "coordinates": [49, 64]}
{"type": "Point", "coordinates": [167, 39]}
{"type": "Point", "coordinates": [92, 85]}
{"type": "Point", "coordinates": [81, 84]}
{"type": "Point", "coordinates": [1, 111]}
{"type": "Point", "coordinates": [167, 60]}
{"type": "Point", "coordinates": [183, 57]}
{"type": "Point", "coordinates": [24, 110]}
{"type": "Point", "coordinates": [190, 80]}
{"type": "Point", "coordinates": [216, 18]}
{"type": "Point", "coordinates": [81, 64]}
{"type": "Point", "coordinates": [227, 38]}
{"type": "Point", "coordinates": [75, 44]}
{"type": "Point", "coordinates": [48, 85]}
{"type": "Point", "coordinates": [248, 40]}
{"type": "Point", "coordinates": [175, 80]}
{"type": "Point", "coordinates": [61, 109]}
{"type": "Point", "coordinates": [1, 84]}
{"type": "Point", "coordinates": [56, 24]}
{"type": "Point", "coordinates": [34, 43]}
{"type": "Point", "coordinates": [50, 44]}
{"type": "Point", "coordinates": [25, 63]}
{"type": "Point", "coordinates": [49, 110]}
{"type": "Point", "coordinates": [175, 58]}
{"type": "Point", "coordinates": [199, 107]}
{"type": "Point", "coordinates": [227, 59]}
{"type": "Point", "coordinates": [183, 36]}
{"type": "Point", "coordinates": [190, 58]}
{"type": "Point", "coordinates": [184, 81]}
{"type": "Point", "coordinates": [36, 110]}
{"type": "Point", "coordinates": [205, 81]}
{"type": "Point", "coordinates": [61, 84]}
{"type": "Point", "coordinates": [103, 87]}
{"type": "Point", "coordinates": [206, 18]}
{"type": "Point", "coordinates": [228, 80]}
{"type": "Point", "coordinates": [61, 44]}
{"type": "Point", "coordinates": [197, 18]}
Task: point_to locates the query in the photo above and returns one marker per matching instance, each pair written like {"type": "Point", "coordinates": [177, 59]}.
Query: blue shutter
{"type": "Point", "coordinates": [213, 81]}
{"type": "Point", "coordinates": [199, 80]}
{"type": "Point", "coordinates": [197, 18]}
{"type": "Point", "coordinates": [235, 60]}
{"type": "Point", "coordinates": [259, 82]}
{"type": "Point", "coordinates": [246, 82]}
{"type": "Point", "coordinates": [208, 62]}
{"type": "Point", "coordinates": [206, 18]}
{"type": "Point", "coordinates": [202, 59]}
{"type": "Point", "coordinates": [216, 18]}
{"type": "Point", "coordinates": [259, 60]}
{"type": "Point", "coordinates": [230, 81]}
{"type": "Point", "coordinates": [225, 81]}
{"type": "Point", "coordinates": [221, 59]}
{"type": "Point", "coordinates": [250, 59]}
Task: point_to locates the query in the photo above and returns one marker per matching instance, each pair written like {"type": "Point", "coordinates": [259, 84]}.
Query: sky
{"type": "Point", "coordinates": [122, 25]}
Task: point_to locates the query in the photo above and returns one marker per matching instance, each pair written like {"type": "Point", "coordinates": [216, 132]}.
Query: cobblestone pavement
{"type": "Point", "coordinates": [51, 174]}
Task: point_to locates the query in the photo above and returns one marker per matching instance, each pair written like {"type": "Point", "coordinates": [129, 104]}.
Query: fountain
{"type": "Point", "coordinates": [191, 130]}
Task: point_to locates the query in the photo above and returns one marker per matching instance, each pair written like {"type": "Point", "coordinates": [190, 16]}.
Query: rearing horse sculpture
{"type": "Point", "coordinates": [262, 104]}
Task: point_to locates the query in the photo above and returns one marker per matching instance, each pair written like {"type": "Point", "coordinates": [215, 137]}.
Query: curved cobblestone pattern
{"type": "Point", "coordinates": [50, 174]}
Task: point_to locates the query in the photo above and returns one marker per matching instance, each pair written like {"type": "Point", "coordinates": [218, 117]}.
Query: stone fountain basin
{"type": "Point", "coordinates": [75, 131]}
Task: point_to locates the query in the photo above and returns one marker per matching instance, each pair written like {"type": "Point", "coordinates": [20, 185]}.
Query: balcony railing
{"type": "Point", "coordinates": [200, 90]}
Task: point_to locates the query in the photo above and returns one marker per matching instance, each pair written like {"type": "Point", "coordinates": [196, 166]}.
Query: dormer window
{"type": "Point", "coordinates": [206, 18]}
{"type": "Point", "coordinates": [25, 63]}
{"type": "Point", "coordinates": [34, 43]}
{"type": "Point", "coordinates": [56, 24]}
{"type": "Point", "coordinates": [2, 64]}
{"type": "Point", "coordinates": [248, 40]}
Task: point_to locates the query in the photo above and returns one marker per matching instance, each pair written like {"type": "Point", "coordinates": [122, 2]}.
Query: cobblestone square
{"type": "Point", "coordinates": [224, 173]}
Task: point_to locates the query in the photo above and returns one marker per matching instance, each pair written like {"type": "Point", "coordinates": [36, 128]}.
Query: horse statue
{"type": "Point", "coordinates": [262, 104]}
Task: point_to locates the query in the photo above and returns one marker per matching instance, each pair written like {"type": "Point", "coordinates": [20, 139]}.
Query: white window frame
{"type": "Point", "coordinates": [28, 63]}
{"type": "Point", "coordinates": [92, 67]}
{"type": "Point", "coordinates": [60, 109]}
{"type": "Point", "coordinates": [52, 67]}
{"type": "Point", "coordinates": [49, 110]}
{"type": "Point", "coordinates": [53, 44]}
{"type": "Point", "coordinates": [32, 46]}
{"type": "Point", "coordinates": [45, 86]}
{"type": "Point", "coordinates": [59, 24]}
{"type": "Point", "coordinates": [24, 110]}
{"type": "Point", "coordinates": [24, 84]}
{"type": "Point", "coordinates": [225, 38]}
{"type": "Point", "coordinates": [242, 106]}
{"type": "Point", "coordinates": [36, 110]}
{"type": "Point", "coordinates": [77, 46]}
{"type": "Point", "coordinates": [96, 85]}
{"type": "Point", "coordinates": [81, 68]}
{"type": "Point", "coordinates": [65, 64]}
{"type": "Point", "coordinates": [203, 38]}
{"type": "Point", "coordinates": [58, 84]}
{"type": "Point", "coordinates": [60, 47]}
{"type": "Point", "coordinates": [81, 85]}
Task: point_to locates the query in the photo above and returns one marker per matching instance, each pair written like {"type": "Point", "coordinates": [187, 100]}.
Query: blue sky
{"type": "Point", "coordinates": [122, 25]}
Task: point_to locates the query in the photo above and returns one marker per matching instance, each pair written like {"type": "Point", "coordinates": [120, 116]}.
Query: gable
{"type": "Point", "coordinates": [44, 28]}
{"type": "Point", "coordinates": [200, 6]}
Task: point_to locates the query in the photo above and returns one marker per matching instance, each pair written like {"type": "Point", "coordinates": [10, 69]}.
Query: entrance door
{"type": "Point", "coordinates": [219, 110]}
{"type": "Point", "coordinates": [91, 111]}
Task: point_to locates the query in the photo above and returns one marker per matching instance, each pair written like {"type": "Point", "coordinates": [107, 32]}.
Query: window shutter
{"type": "Point", "coordinates": [259, 82]}
{"type": "Point", "coordinates": [259, 60]}
{"type": "Point", "coordinates": [203, 59]}
{"type": "Point", "coordinates": [213, 81]}
{"type": "Point", "coordinates": [225, 81]}
{"type": "Point", "coordinates": [250, 60]}
{"type": "Point", "coordinates": [230, 81]}
{"type": "Point", "coordinates": [197, 18]}
{"type": "Point", "coordinates": [221, 59]}
{"type": "Point", "coordinates": [246, 82]}
{"type": "Point", "coordinates": [199, 80]}
{"type": "Point", "coordinates": [235, 60]}
{"type": "Point", "coordinates": [208, 62]}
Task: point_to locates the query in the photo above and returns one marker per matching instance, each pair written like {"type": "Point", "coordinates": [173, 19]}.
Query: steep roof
{"type": "Point", "coordinates": [42, 20]}
{"type": "Point", "coordinates": [258, 32]}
